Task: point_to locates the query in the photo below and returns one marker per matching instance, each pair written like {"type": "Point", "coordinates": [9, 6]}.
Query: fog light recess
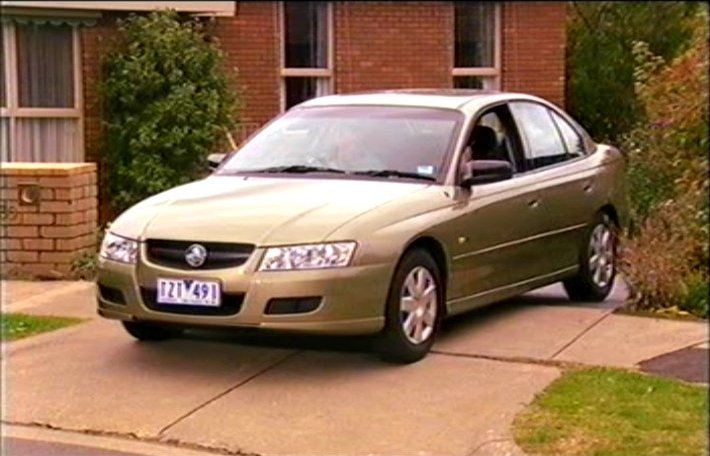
{"type": "Point", "coordinates": [283, 306]}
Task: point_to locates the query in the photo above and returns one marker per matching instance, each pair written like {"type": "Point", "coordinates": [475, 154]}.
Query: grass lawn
{"type": "Point", "coordinates": [16, 326]}
{"type": "Point", "coordinates": [606, 412]}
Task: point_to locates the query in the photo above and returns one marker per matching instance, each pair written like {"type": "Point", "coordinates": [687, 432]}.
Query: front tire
{"type": "Point", "coordinates": [150, 332]}
{"type": "Point", "coordinates": [413, 311]}
{"type": "Point", "coordinates": [597, 263]}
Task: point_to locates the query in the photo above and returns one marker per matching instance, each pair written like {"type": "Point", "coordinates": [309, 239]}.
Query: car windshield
{"type": "Point", "coordinates": [385, 142]}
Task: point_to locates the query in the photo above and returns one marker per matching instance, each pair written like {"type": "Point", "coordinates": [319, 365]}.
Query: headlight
{"type": "Point", "coordinates": [118, 248]}
{"type": "Point", "coordinates": [311, 256]}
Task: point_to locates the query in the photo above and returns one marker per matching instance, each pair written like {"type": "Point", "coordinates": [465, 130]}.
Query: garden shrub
{"type": "Point", "coordinates": [168, 105]}
{"type": "Point", "coordinates": [666, 255]}
{"type": "Point", "coordinates": [665, 263]}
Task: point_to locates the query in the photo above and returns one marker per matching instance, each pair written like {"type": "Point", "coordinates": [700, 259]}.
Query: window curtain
{"type": "Point", "coordinates": [4, 139]}
{"type": "Point", "coordinates": [306, 34]}
{"type": "Point", "coordinates": [47, 140]}
{"type": "Point", "coordinates": [322, 87]}
{"type": "Point", "coordinates": [319, 34]}
{"type": "Point", "coordinates": [46, 80]}
{"type": "Point", "coordinates": [475, 34]}
{"type": "Point", "coordinates": [3, 93]}
{"type": "Point", "coordinates": [45, 66]}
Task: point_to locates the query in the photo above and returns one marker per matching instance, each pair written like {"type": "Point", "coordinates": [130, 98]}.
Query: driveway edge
{"type": "Point", "coordinates": [129, 443]}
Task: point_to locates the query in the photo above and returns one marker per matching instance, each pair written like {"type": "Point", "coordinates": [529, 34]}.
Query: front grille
{"type": "Point", "coordinates": [219, 254]}
{"type": "Point", "coordinates": [231, 305]}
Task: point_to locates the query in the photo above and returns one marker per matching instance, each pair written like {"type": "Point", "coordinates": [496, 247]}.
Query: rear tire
{"type": "Point", "coordinates": [150, 332]}
{"type": "Point", "coordinates": [414, 309]}
{"type": "Point", "coordinates": [597, 263]}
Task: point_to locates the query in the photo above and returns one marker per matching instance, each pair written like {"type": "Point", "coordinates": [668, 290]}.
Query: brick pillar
{"type": "Point", "coordinates": [49, 217]}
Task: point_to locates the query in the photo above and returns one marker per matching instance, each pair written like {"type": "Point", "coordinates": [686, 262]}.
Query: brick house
{"type": "Point", "coordinates": [284, 52]}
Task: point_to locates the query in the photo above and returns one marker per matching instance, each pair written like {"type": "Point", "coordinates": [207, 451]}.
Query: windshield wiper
{"type": "Point", "coordinates": [297, 169]}
{"type": "Point", "coordinates": [393, 173]}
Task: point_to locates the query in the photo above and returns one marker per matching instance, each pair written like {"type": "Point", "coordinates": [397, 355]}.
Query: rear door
{"type": "Point", "coordinates": [555, 157]}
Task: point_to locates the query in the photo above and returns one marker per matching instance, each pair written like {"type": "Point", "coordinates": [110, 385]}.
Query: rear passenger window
{"type": "Point", "coordinates": [573, 140]}
{"type": "Point", "coordinates": [544, 147]}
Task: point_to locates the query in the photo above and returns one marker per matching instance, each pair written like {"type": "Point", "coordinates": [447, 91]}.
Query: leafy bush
{"type": "Point", "coordinates": [695, 297]}
{"type": "Point", "coordinates": [600, 64]}
{"type": "Point", "coordinates": [168, 104]}
{"type": "Point", "coordinates": [666, 256]}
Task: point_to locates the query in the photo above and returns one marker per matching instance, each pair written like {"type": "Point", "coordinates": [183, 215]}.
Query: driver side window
{"type": "Point", "coordinates": [492, 138]}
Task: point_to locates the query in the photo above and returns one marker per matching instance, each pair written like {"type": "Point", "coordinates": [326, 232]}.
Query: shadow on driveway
{"type": "Point", "coordinates": [552, 296]}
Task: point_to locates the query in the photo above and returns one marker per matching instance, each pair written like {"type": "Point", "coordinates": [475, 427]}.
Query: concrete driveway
{"type": "Point", "coordinates": [246, 393]}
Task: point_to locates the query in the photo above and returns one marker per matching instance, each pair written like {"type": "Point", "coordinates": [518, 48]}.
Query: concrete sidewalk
{"type": "Point", "coordinates": [60, 298]}
{"type": "Point", "coordinates": [544, 326]}
{"type": "Point", "coordinates": [247, 394]}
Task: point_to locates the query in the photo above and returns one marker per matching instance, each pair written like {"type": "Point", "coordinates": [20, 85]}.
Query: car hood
{"type": "Point", "coordinates": [257, 210]}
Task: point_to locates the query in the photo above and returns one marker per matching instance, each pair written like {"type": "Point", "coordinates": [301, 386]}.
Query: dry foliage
{"type": "Point", "coordinates": [666, 255]}
{"type": "Point", "coordinates": [666, 262]}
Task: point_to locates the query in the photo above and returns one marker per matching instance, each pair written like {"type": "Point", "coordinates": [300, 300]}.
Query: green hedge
{"type": "Point", "coordinates": [600, 64]}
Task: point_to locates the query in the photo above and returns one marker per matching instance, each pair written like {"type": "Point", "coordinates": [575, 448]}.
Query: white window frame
{"type": "Point", "coordinates": [13, 111]}
{"type": "Point", "coordinates": [321, 73]}
{"type": "Point", "coordinates": [491, 75]}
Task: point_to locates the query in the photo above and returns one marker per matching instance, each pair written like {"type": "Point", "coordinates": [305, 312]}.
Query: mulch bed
{"type": "Point", "coordinates": [689, 364]}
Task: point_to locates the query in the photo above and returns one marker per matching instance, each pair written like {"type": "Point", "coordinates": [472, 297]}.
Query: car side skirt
{"type": "Point", "coordinates": [466, 303]}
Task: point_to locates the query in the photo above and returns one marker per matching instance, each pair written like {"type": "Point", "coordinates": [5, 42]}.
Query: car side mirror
{"type": "Point", "coordinates": [477, 172]}
{"type": "Point", "coordinates": [214, 160]}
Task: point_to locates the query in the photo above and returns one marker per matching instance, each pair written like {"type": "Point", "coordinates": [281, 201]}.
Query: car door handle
{"type": "Point", "coordinates": [533, 203]}
{"type": "Point", "coordinates": [588, 187]}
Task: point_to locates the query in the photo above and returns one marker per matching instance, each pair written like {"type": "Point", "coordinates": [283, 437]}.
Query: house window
{"type": "Point", "coordinates": [40, 116]}
{"type": "Point", "coordinates": [477, 45]}
{"type": "Point", "coordinates": [306, 51]}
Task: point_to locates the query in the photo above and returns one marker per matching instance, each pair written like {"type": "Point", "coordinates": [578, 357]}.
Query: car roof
{"type": "Point", "coordinates": [457, 99]}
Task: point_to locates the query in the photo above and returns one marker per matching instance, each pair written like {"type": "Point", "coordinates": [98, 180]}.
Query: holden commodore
{"type": "Point", "coordinates": [373, 213]}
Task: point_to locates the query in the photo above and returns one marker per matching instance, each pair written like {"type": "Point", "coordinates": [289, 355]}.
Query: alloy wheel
{"type": "Point", "coordinates": [418, 305]}
{"type": "Point", "coordinates": [601, 255]}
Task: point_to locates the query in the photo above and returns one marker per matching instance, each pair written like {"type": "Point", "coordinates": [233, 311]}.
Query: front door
{"type": "Point", "coordinates": [495, 239]}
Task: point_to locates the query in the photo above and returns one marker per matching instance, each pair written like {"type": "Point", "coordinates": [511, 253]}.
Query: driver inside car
{"type": "Point", "coordinates": [352, 154]}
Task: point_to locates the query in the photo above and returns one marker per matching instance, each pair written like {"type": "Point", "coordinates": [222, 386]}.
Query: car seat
{"type": "Point", "coordinates": [484, 144]}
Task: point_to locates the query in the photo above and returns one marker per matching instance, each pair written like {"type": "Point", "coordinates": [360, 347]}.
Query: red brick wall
{"type": "Point", "coordinates": [43, 238]}
{"type": "Point", "coordinates": [534, 49]}
{"type": "Point", "coordinates": [94, 42]}
{"type": "Point", "coordinates": [385, 45]}
{"type": "Point", "coordinates": [250, 40]}
{"type": "Point", "coordinates": [378, 45]}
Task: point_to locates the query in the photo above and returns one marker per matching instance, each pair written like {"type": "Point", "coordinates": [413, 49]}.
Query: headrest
{"type": "Point", "coordinates": [483, 138]}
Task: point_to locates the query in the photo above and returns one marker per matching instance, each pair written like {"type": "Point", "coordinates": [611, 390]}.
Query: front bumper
{"type": "Point", "coordinates": [353, 298]}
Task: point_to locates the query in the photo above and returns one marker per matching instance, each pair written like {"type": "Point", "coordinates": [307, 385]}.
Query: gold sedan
{"type": "Point", "coordinates": [378, 213]}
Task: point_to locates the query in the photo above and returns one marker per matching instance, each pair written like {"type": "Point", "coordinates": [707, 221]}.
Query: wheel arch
{"type": "Point", "coordinates": [611, 211]}
{"type": "Point", "coordinates": [438, 252]}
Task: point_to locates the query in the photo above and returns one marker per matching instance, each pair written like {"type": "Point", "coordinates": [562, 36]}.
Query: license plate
{"type": "Point", "coordinates": [189, 292]}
